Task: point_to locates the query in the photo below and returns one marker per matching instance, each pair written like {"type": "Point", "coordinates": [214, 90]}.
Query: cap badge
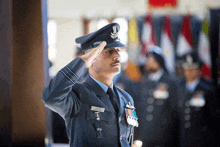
{"type": "Point", "coordinates": [189, 59]}
{"type": "Point", "coordinates": [114, 34]}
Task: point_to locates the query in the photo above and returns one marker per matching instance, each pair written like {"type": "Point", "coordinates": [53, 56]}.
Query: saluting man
{"type": "Point", "coordinates": [197, 107]}
{"type": "Point", "coordinates": [96, 112]}
{"type": "Point", "coordinates": [156, 108]}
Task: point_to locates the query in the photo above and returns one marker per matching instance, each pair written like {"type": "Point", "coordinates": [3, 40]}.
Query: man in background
{"type": "Point", "coordinates": [156, 107]}
{"type": "Point", "coordinates": [197, 107]}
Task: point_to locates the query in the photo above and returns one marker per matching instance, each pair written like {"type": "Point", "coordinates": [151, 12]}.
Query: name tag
{"type": "Point", "coordinates": [99, 109]}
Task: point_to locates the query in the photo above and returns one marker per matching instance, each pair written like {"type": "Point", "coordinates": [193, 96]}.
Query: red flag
{"type": "Point", "coordinates": [168, 46]}
{"type": "Point", "coordinates": [184, 42]}
{"type": "Point", "coordinates": [147, 35]}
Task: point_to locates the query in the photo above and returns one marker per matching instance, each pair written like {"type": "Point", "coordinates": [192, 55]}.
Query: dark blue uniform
{"type": "Point", "coordinates": [74, 101]}
{"type": "Point", "coordinates": [156, 110]}
{"type": "Point", "coordinates": [197, 110]}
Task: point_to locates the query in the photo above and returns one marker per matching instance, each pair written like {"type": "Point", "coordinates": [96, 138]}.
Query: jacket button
{"type": "Point", "coordinates": [187, 125]}
{"type": "Point", "coordinates": [187, 117]}
{"type": "Point", "coordinates": [150, 117]}
{"type": "Point", "coordinates": [187, 110]}
{"type": "Point", "coordinates": [121, 137]}
{"type": "Point", "coordinates": [150, 108]}
{"type": "Point", "coordinates": [99, 129]}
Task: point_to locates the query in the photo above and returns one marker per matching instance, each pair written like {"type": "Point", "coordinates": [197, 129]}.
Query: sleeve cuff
{"type": "Point", "coordinates": [74, 69]}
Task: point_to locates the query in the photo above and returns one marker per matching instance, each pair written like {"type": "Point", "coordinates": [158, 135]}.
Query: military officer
{"type": "Point", "coordinates": [96, 112]}
{"type": "Point", "coordinates": [197, 107]}
{"type": "Point", "coordinates": [156, 108]}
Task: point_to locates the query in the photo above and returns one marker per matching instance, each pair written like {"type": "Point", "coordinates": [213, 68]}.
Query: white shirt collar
{"type": "Point", "coordinates": [191, 86]}
{"type": "Point", "coordinates": [104, 87]}
{"type": "Point", "coordinates": [156, 76]}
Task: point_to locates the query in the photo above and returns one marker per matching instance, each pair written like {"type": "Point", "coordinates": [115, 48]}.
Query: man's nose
{"type": "Point", "coordinates": [116, 54]}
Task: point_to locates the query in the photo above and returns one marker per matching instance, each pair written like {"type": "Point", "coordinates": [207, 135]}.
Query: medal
{"type": "Point", "coordinates": [198, 100]}
{"type": "Point", "coordinates": [161, 92]}
{"type": "Point", "coordinates": [131, 115]}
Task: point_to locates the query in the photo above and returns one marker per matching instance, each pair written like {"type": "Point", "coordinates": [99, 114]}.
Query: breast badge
{"type": "Point", "coordinates": [197, 100]}
{"type": "Point", "coordinates": [97, 112]}
{"type": "Point", "coordinates": [131, 115]}
{"type": "Point", "coordinates": [161, 92]}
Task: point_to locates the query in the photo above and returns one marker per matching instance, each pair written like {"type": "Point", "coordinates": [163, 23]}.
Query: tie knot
{"type": "Point", "coordinates": [110, 91]}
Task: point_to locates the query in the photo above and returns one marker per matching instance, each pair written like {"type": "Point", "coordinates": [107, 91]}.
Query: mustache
{"type": "Point", "coordinates": [117, 61]}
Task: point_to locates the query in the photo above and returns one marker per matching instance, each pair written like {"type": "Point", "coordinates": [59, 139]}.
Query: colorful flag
{"type": "Point", "coordinates": [168, 46]}
{"type": "Point", "coordinates": [204, 49]}
{"type": "Point", "coordinates": [184, 42]}
{"type": "Point", "coordinates": [133, 39]}
{"type": "Point", "coordinates": [148, 37]}
{"type": "Point", "coordinates": [133, 34]}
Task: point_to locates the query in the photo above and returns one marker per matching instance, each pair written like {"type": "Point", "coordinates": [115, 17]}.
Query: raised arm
{"type": "Point", "coordinates": [59, 95]}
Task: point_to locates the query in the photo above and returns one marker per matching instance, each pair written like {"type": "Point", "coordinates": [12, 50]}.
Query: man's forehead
{"type": "Point", "coordinates": [190, 68]}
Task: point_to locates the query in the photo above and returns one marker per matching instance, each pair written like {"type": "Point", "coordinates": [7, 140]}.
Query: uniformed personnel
{"type": "Point", "coordinates": [96, 112]}
{"type": "Point", "coordinates": [156, 108]}
{"type": "Point", "coordinates": [197, 107]}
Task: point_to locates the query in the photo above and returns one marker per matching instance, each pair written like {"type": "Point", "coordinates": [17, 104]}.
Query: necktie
{"type": "Point", "coordinates": [112, 99]}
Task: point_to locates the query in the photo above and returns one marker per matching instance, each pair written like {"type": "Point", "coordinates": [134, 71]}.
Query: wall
{"type": "Point", "coordinates": [69, 14]}
{"type": "Point", "coordinates": [106, 8]}
{"type": "Point", "coordinates": [67, 31]}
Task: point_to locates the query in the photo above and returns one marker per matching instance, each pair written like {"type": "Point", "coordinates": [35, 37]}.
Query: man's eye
{"type": "Point", "coordinates": [110, 52]}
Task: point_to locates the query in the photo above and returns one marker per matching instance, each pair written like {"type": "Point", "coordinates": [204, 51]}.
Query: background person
{"type": "Point", "coordinates": [156, 107]}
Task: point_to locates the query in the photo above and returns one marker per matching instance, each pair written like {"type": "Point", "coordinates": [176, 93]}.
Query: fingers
{"type": "Point", "coordinates": [101, 46]}
{"type": "Point", "coordinates": [90, 55]}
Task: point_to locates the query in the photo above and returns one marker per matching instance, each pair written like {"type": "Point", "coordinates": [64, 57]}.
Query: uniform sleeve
{"type": "Point", "coordinates": [60, 95]}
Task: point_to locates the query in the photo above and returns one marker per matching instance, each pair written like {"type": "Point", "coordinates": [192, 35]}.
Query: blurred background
{"type": "Point", "coordinates": [37, 39]}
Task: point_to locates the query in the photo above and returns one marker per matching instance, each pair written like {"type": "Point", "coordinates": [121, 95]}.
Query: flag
{"type": "Point", "coordinates": [133, 34]}
{"type": "Point", "coordinates": [204, 49]}
{"type": "Point", "coordinates": [184, 42]}
{"type": "Point", "coordinates": [133, 39]}
{"type": "Point", "coordinates": [133, 71]}
{"type": "Point", "coordinates": [147, 37]}
{"type": "Point", "coordinates": [168, 46]}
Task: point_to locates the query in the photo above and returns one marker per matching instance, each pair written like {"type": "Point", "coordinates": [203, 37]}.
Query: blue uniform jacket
{"type": "Point", "coordinates": [158, 125]}
{"type": "Point", "coordinates": [73, 101]}
{"type": "Point", "coordinates": [198, 122]}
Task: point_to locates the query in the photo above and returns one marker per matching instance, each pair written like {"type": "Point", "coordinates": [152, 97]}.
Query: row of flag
{"type": "Point", "coordinates": [184, 41]}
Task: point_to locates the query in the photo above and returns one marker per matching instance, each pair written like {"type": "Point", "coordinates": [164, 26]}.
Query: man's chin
{"type": "Point", "coordinates": [116, 70]}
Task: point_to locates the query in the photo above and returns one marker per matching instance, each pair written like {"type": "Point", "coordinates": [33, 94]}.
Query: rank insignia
{"type": "Point", "coordinates": [114, 34]}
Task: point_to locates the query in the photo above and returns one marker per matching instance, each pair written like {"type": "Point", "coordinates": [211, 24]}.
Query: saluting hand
{"type": "Point", "coordinates": [91, 54]}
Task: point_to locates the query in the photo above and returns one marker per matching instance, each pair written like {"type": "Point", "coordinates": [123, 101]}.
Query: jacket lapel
{"type": "Point", "coordinates": [121, 101]}
{"type": "Point", "coordinates": [100, 93]}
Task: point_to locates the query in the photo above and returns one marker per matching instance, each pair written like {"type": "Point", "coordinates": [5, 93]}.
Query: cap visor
{"type": "Point", "coordinates": [84, 38]}
{"type": "Point", "coordinates": [115, 44]}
